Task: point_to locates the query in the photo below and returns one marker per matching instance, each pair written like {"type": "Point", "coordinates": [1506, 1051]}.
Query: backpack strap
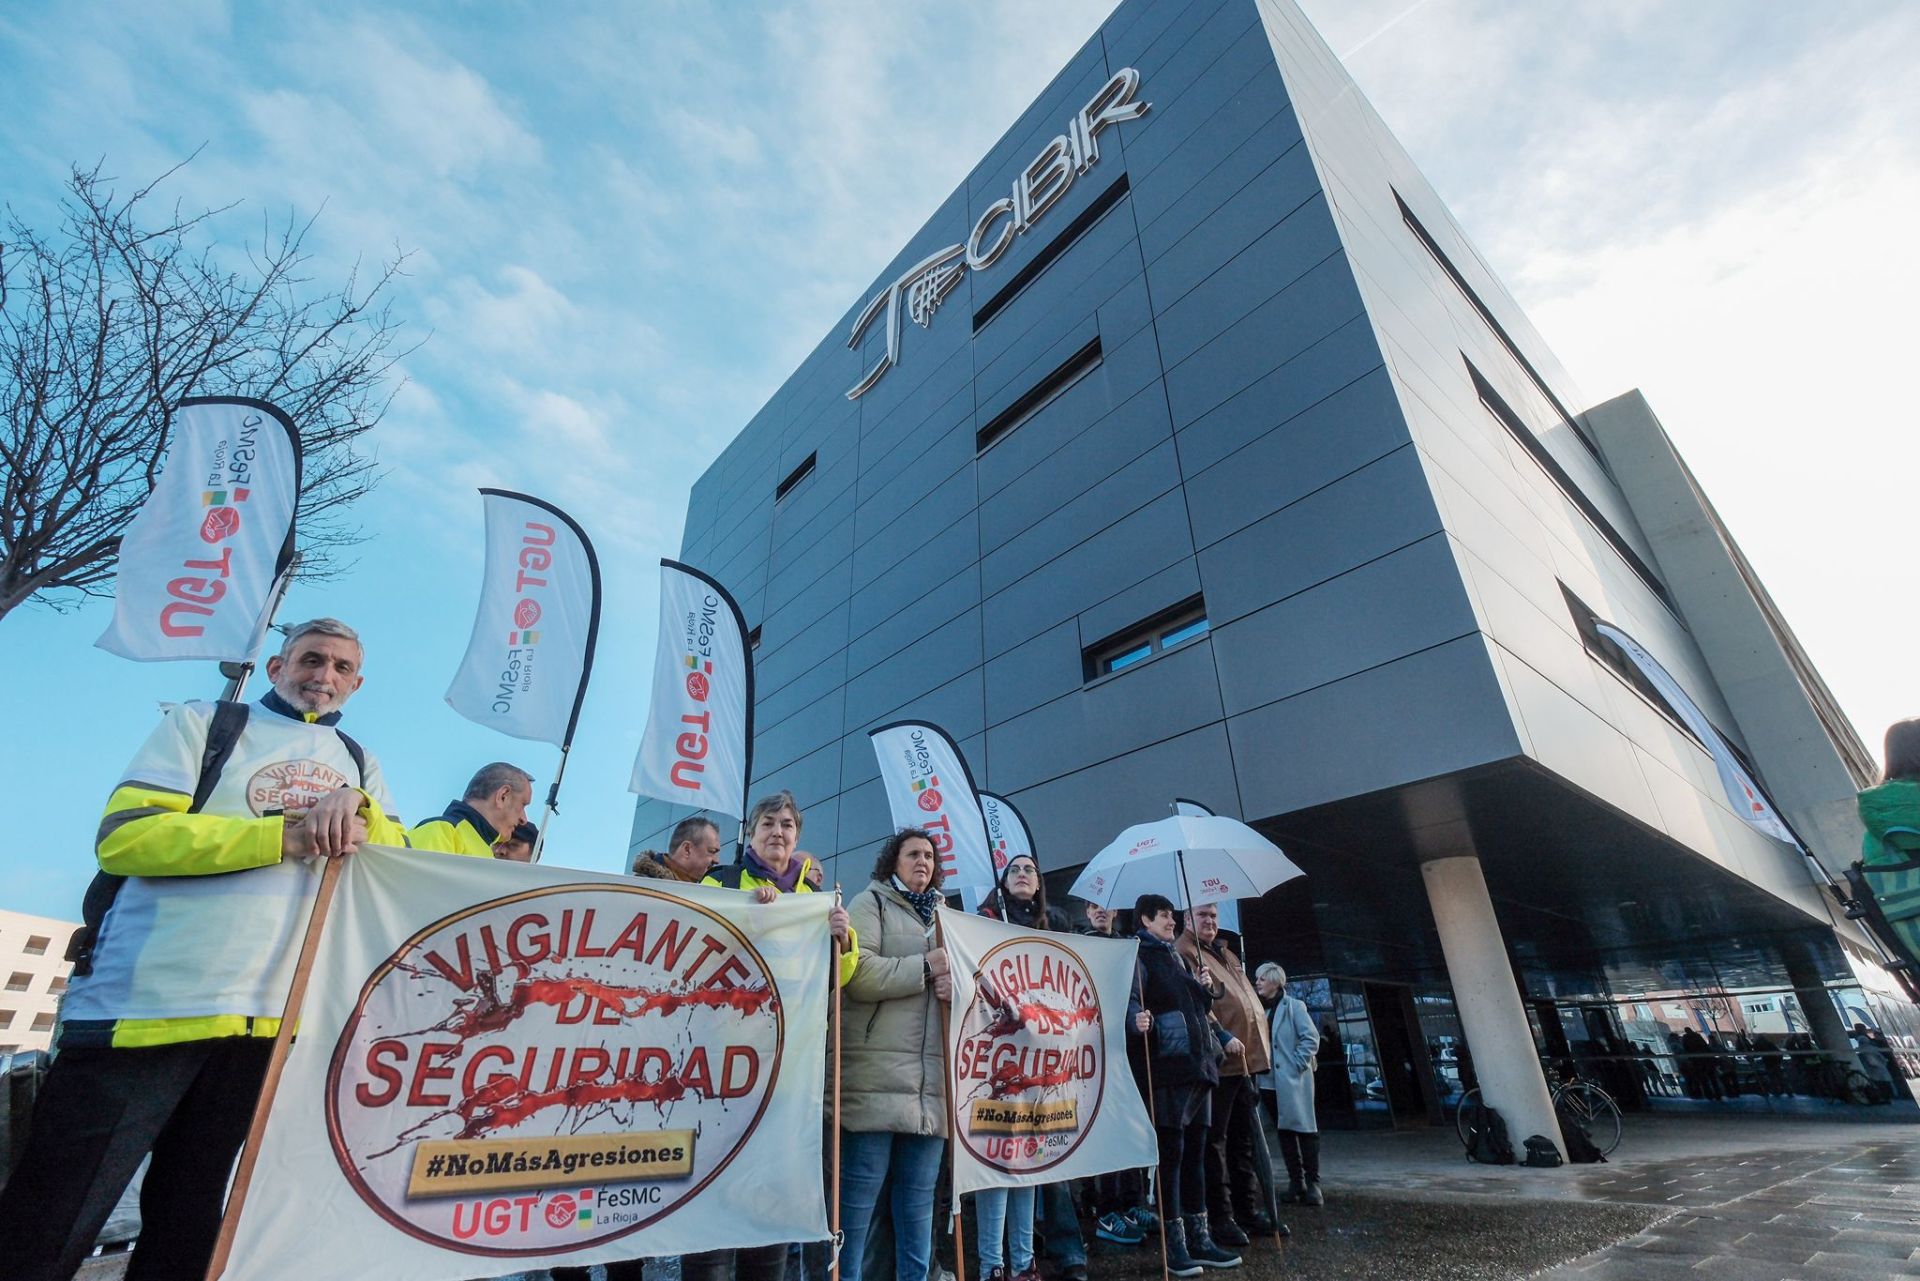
{"type": "Point", "coordinates": [229, 721]}
{"type": "Point", "coordinates": [223, 732]}
{"type": "Point", "coordinates": [356, 751]}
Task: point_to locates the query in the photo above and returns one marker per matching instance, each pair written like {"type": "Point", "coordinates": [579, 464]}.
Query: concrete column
{"type": "Point", "coordinates": [1484, 992]}
{"type": "Point", "coordinates": [1829, 1031]}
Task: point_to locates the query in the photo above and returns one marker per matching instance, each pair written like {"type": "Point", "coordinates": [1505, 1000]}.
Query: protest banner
{"type": "Point", "coordinates": [198, 563]}
{"type": "Point", "coordinates": [1038, 1086]}
{"type": "Point", "coordinates": [551, 1066]}
{"type": "Point", "coordinates": [697, 748]}
{"type": "Point", "coordinates": [929, 785]}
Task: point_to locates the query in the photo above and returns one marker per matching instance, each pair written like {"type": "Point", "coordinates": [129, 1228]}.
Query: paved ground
{"type": "Point", "coordinates": [1753, 1199]}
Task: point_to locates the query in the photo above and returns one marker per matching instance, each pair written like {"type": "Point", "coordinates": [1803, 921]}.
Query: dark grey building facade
{"type": "Point", "coordinates": [1236, 475]}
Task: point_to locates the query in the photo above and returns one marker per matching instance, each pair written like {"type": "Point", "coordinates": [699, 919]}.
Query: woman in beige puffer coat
{"type": "Point", "coordinates": [893, 1105]}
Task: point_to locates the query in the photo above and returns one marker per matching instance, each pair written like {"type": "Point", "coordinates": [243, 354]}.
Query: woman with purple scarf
{"type": "Point", "coordinates": [769, 866]}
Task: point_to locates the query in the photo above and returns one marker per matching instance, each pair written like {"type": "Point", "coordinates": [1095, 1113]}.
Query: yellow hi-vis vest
{"type": "Point", "coordinates": [202, 939]}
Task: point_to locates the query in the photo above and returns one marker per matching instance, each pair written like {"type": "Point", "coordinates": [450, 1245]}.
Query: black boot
{"type": "Point", "coordinates": [1226, 1230]}
{"type": "Point", "coordinates": [1179, 1262]}
{"type": "Point", "coordinates": [1204, 1249]}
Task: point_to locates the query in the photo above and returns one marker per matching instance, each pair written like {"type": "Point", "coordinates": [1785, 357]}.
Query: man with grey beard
{"type": "Point", "coordinates": [209, 853]}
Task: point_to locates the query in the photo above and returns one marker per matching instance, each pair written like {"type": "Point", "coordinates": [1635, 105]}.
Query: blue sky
{"type": "Point", "coordinates": [629, 222]}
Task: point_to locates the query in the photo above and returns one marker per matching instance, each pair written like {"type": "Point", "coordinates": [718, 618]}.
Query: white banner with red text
{"type": "Point", "coordinates": [531, 651]}
{"type": "Point", "coordinates": [1038, 1086]}
{"type": "Point", "coordinates": [505, 1067]}
{"type": "Point", "coordinates": [928, 785]}
{"type": "Point", "coordinates": [198, 562]}
{"type": "Point", "coordinates": [697, 748]}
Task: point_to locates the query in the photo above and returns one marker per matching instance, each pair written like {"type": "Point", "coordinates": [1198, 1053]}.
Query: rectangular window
{"type": "Point", "coordinates": [1523, 435]}
{"type": "Point", "coordinates": [794, 477]}
{"type": "Point", "coordinates": [19, 981]}
{"type": "Point", "coordinates": [1439, 256]}
{"type": "Point", "coordinates": [1041, 394]}
{"type": "Point", "coordinates": [1069, 234]}
{"type": "Point", "coordinates": [1615, 660]}
{"type": "Point", "coordinates": [37, 945]}
{"type": "Point", "coordinates": [56, 985]}
{"type": "Point", "coordinates": [1166, 630]}
{"type": "Point", "coordinates": [42, 1023]}
{"type": "Point", "coordinates": [6, 1018]}
{"type": "Point", "coordinates": [753, 639]}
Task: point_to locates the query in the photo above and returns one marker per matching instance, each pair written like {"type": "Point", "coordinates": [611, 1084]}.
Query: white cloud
{"type": "Point", "coordinates": [1709, 202]}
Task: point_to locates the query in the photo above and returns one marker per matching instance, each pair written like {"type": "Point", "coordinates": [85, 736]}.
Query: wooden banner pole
{"type": "Point", "coordinates": [953, 1109]}
{"type": "Point", "coordinates": [1153, 1114]}
{"type": "Point", "coordinates": [276, 1065]}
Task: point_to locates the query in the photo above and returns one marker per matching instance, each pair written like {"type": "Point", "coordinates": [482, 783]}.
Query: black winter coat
{"type": "Point", "coordinates": [1186, 1048]}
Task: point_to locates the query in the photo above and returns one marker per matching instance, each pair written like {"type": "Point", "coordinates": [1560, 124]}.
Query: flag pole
{"type": "Point", "coordinates": [553, 795]}
{"type": "Point", "coordinates": [276, 1065]}
{"type": "Point", "coordinates": [834, 1205]}
{"type": "Point", "coordinates": [237, 678]}
{"type": "Point", "coordinates": [953, 1110]}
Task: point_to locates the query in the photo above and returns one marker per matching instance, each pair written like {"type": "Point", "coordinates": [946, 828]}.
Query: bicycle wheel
{"type": "Point", "coordinates": [1856, 1087]}
{"type": "Point", "coordinates": [1594, 1109]}
{"type": "Point", "coordinates": [1464, 1109]}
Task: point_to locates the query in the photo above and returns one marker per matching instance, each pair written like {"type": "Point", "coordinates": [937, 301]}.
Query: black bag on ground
{"type": "Point", "coordinates": [1487, 1140]}
{"type": "Point", "coordinates": [1541, 1154]}
{"type": "Point", "coordinates": [1581, 1149]}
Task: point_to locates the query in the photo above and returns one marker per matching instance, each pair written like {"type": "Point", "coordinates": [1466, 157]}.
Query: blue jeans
{"type": "Point", "coordinates": [1008, 1212]}
{"type": "Point", "coordinates": [865, 1159]}
{"type": "Point", "coordinates": [1064, 1245]}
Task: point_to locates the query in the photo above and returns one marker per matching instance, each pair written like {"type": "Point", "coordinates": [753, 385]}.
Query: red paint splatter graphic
{"type": "Point", "coordinates": [1010, 1017]}
{"type": "Point", "coordinates": [482, 1011]}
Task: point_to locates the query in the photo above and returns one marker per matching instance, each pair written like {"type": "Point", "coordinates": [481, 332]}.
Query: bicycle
{"type": "Point", "coordinates": [1838, 1083]}
{"type": "Point", "coordinates": [1576, 1098]}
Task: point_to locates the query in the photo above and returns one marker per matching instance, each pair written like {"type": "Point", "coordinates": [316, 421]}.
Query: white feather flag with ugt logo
{"type": "Point", "coordinates": [929, 786]}
{"type": "Point", "coordinates": [698, 746]}
{"type": "Point", "coordinates": [527, 662]}
{"type": "Point", "coordinates": [198, 562]}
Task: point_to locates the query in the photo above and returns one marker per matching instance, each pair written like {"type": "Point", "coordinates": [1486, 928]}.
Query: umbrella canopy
{"type": "Point", "coordinates": [1209, 859]}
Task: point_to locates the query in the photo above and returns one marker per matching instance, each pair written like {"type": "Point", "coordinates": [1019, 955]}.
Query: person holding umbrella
{"type": "Point", "coordinates": [1170, 1009]}
{"type": "Point", "coordinates": [1233, 1183]}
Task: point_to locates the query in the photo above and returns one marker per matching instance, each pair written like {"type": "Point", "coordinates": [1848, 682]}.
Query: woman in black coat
{"type": "Point", "coordinates": [1171, 1010]}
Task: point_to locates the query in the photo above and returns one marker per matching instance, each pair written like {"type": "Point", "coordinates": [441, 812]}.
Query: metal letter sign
{"type": "Point", "coordinates": [1037, 188]}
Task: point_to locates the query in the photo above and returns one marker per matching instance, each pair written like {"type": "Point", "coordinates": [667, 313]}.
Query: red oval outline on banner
{"type": "Point", "coordinates": [1042, 939]}
{"type": "Point", "coordinates": [336, 1062]}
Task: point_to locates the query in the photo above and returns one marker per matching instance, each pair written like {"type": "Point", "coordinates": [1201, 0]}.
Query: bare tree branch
{"type": "Point", "coordinates": [119, 314]}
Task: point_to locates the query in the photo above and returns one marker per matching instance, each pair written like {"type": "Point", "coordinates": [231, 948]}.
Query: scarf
{"type": "Point", "coordinates": [786, 883]}
{"type": "Point", "coordinates": [1027, 914]}
{"type": "Point", "coordinates": [924, 901]}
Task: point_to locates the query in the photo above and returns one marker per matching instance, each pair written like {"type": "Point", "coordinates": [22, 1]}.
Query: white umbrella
{"type": "Point", "coordinates": [1186, 858]}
